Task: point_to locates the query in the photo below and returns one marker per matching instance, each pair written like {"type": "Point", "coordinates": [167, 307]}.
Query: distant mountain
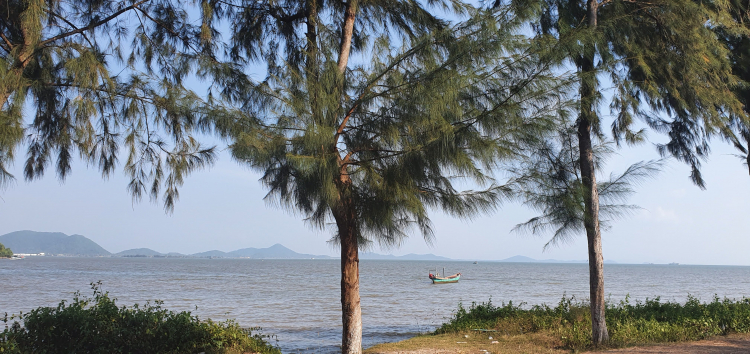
{"type": "Point", "coordinates": [519, 259]}
{"type": "Point", "coordinates": [406, 257]}
{"type": "Point", "coordinates": [524, 259]}
{"type": "Point", "coordinates": [57, 243]}
{"type": "Point", "coordinates": [146, 252]}
{"type": "Point", "coordinates": [175, 254]}
{"type": "Point", "coordinates": [276, 251]}
{"type": "Point", "coordinates": [53, 243]}
{"type": "Point", "coordinates": [209, 254]}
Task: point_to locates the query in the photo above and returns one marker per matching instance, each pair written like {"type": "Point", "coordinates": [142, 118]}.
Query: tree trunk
{"type": "Point", "coordinates": [588, 178]}
{"type": "Point", "coordinates": [346, 215]}
{"type": "Point", "coordinates": [351, 312]}
{"type": "Point", "coordinates": [593, 234]}
{"type": "Point", "coordinates": [347, 30]}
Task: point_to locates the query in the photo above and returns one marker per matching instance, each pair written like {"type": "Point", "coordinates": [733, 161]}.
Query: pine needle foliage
{"type": "Point", "coordinates": [547, 179]}
{"type": "Point", "coordinates": [738, 43]}
{"type": "Point", "coordinates": [102, 75]}
{"type": "Point", "coordinates": [668, 66]}
{"type": "Point", "coordinates": [403, 128]}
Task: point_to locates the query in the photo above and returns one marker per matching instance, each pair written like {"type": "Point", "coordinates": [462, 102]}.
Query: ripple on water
{"type": "Point", "coordinates": [303, 311]}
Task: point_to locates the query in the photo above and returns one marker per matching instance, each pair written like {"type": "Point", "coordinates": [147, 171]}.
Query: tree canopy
{"type": "Point", "coordinates": [667, 65]}
{"type": "Point", "coordinates": [101, 75]}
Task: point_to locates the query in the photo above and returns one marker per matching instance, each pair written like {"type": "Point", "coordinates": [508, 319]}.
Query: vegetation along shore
{"type": "Point", "coordinates": [565, 328]}
{"type": "Point", "coordinates": [96, 324]}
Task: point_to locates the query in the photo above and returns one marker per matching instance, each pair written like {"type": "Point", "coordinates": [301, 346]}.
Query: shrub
{"type": "Point", "coordinates": [651, 321]}
{"type": "Point", "coordinates": [98, 325]}
{"type": "Point", "coordinates": [5, 252]}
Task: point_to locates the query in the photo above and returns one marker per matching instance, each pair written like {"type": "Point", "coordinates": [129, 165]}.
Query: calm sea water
{"type": "Point", "coordinates": [298, 300]}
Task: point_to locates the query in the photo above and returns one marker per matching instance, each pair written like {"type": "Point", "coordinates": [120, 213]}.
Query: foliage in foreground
{"type": "Point", "coordinates": [5, 252]}
{"type": "Point", "coordinates": [629, 324]}
{"type": "Point", "coordinates": [97, 325]}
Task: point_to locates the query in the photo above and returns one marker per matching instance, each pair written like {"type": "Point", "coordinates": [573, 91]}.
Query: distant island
{"type": "Point", "coordinates": [522, 259]}
{"type": "Point", "coordinates": [52, 243]}
{"type": "Point", "coordinates": [59, 244]}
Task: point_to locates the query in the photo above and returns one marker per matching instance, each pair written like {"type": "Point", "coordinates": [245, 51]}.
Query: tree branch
{"type": "Point", "coordinates": [93, 25]}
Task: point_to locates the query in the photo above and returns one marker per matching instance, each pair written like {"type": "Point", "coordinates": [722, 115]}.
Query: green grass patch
{"type": "Point", "coordinates": [98, 325]}
{"type": "Point", "coordinates": [647, 322]}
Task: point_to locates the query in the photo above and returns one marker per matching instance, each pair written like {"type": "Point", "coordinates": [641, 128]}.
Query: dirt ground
{"type": "Point", "coordinates": [732, 344]}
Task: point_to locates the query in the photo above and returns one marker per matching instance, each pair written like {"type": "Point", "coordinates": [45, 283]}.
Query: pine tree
{"type": "Point", "coordinates": [737, 41]}
{"type": "Point", "coordinates": [369, 148]}
{"type": "Point", "coordinates": [101, 75]}
{"type": "Point", "coordinates": [668, 69]}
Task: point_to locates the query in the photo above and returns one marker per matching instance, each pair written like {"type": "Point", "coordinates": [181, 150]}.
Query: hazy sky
{"type": "Point", "coordinates": [222, 208]}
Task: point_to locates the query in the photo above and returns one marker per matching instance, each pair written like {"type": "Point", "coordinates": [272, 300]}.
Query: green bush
{"type": "Point", "coordinates": [5, 252]}
{"type": "Point", "coordinates": [629, 324]}
{"type": "Point", "coordinates": [97, 325]}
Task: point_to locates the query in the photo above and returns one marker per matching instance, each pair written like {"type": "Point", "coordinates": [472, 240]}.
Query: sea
{"type": "Point", "coordinates": [297, 302]}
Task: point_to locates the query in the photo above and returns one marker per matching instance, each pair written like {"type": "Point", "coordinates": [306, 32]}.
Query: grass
{"type": "Point", "coordinates": [567, 326]}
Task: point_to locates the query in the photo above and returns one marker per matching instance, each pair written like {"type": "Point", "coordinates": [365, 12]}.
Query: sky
{"type": "Point", "coordinates": [222, 208]}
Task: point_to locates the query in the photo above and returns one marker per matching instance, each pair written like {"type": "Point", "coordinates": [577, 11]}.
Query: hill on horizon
{"type": "Point", "coordinates": [52, 243]}
{"type": "Point", "coordinates": [524, 259]}
{"type": "Point", "coordinates": [277, 251]}
{"type": "Point", "coordinates": [145, 252]}
{"type": "Point", "coordinates": [410, 257]}
{"type": "Point", "coordinates": [58, 243]}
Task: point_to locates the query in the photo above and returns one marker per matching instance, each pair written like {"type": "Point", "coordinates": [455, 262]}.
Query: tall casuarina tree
{"type": "Point", "coordinates": [367, 148]}
{"type": "Point", "coordinates": [101, 75]}
{"type": "Point", "coordinates": [668, 68]}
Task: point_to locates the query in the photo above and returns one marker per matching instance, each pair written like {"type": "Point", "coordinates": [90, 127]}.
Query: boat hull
{"type": "Point", "coordinates": [440, 280]}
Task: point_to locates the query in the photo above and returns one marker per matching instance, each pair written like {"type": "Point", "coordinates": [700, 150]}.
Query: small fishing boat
{"type": "Point", "coordinates": [436, 278]}
{"type": "Point", "coordinates": [449, 279]}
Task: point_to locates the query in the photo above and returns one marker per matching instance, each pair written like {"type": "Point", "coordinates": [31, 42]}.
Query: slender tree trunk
{"type": "Point", "coordinates": [588, 91]}
{"type": "Point", "coordinates": [346, 215]}
{"type": "Point", "coordinates": [593, 234]}
{"type": "Point", "coordinates": [347, 30]}
{"type": "Point", "coordinates": [351, 312]}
